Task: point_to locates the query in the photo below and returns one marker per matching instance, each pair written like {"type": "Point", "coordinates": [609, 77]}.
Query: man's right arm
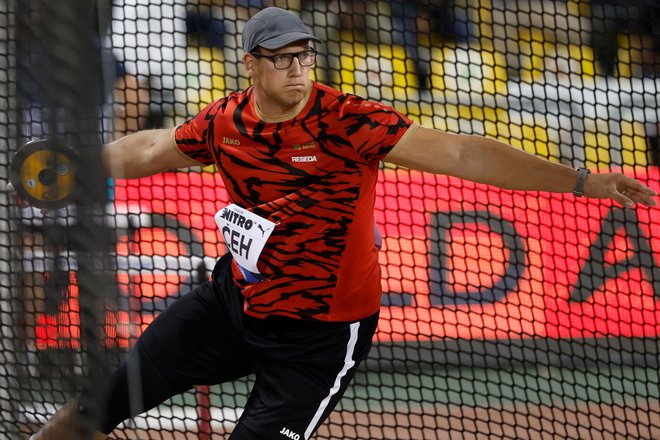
{"type": "Point", "coordinates": [143, 154]}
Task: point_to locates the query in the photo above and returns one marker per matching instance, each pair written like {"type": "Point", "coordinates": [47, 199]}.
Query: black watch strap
{"type": "Point", "coordinates": [578, 190]}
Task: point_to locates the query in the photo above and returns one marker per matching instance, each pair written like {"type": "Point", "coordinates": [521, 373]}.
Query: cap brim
{"type": "Point", "coordinates": [288, 38]}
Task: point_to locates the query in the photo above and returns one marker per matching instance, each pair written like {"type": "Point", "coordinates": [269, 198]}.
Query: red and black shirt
{"type": "Point", "coordinates": [314, 176]}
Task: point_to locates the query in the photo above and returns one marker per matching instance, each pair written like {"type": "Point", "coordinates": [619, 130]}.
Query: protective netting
{"type": "Point", "coordinates": [504, 314]}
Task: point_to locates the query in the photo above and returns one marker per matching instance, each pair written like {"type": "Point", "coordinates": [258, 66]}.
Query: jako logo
{"type": "Point", "coordinates": [230, 141]}
{"type": "Point", "coordinates": [303, 159]}
{"type": "Point", "coordinates": [287, 432]}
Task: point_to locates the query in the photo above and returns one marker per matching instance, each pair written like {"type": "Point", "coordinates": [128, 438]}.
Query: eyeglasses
{"type": "Point", "coordinates": [283, 61]}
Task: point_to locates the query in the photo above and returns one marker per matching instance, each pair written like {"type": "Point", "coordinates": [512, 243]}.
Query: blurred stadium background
{"type": "Point", "coordinates": [504, 315]}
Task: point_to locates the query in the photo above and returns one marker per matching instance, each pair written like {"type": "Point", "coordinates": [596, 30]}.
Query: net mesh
{"type": "Point", "coordinates": [504, 314]}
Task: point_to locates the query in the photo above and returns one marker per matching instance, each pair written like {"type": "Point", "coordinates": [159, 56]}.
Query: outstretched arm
{"type": "Point", "coordinates": [485, 160]}
{"type": "Point", "coordinates": [143, 154]}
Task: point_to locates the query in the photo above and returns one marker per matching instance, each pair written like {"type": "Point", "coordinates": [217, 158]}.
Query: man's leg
{"type": "Point", "coordinates": [302, 374]}
{"type": "Point", "coordinates": [195, 341]}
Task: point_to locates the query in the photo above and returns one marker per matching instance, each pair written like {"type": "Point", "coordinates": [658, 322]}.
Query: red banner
{"type": "Point", "coordinates": [479, 262]}
{"type": "Point", "coordinates": [459, 260]}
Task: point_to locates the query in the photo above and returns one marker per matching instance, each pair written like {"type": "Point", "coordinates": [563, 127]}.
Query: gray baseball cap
{"type": "Point", "coordinates": [272, 28]}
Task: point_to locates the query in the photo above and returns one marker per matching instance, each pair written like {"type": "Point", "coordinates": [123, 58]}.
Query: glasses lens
{"type": "Point", "coordinates": [307, 58]}
{"type": "Point", "coordinates": [283, 61]}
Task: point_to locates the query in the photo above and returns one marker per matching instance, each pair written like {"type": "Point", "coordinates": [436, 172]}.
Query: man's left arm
{"type": "Point", "coordinates": [485, 160]}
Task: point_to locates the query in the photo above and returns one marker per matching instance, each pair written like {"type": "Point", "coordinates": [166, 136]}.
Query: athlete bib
{"type": "Point", "coordinates": [245, 235]}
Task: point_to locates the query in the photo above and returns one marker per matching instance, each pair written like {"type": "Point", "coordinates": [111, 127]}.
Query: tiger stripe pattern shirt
{"type": "Point", "coordinates": [314, 176]}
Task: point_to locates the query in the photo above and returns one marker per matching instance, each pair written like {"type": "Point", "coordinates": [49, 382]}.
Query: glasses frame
{"type": "Point", "coordinates": [290, 55]}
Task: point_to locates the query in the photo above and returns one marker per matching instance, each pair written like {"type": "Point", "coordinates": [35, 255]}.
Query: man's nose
{"type": "Point", "coordinates": [296, 67]}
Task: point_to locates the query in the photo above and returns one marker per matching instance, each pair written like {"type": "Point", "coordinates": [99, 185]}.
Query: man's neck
{"type": "Point", "coordinates": [277, 113]}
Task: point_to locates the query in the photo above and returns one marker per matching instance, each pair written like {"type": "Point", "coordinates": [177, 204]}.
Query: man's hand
{"type": "Point", "coordinates": [620, 188]}
{"type": "Point", "coordinates": [9, 188]}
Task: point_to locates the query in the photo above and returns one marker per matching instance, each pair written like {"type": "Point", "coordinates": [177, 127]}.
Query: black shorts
{"type": "Point", "coordinates": [302, 368]}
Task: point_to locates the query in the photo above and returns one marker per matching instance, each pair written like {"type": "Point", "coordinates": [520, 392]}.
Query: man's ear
{"type": "Point", "coordinates": [249, 61]}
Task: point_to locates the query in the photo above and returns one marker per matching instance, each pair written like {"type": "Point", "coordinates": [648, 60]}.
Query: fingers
{"type": "Point", "coordinates": [21, 202]}
{"type": "Point", "coordinates": [636, 185]}
{"type": "Point", "coordinates": [623, 199]}
{"type": "Point", "coordinates": [10, 189]}
{"type": "Point", "coordinates": [635, 192]}
{"type": "Point", "coordinates": [634, 196]}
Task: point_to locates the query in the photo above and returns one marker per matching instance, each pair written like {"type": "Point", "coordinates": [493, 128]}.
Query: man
{"type": "Point", "coordinates": [300, 163]}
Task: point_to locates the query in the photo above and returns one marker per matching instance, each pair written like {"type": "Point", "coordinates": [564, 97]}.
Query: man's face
{"type": "Point", "coordinates": [282, 88]}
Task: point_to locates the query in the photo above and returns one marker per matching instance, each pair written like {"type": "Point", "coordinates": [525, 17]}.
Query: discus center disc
{"type": "Point", "coordinates": [47, 176]}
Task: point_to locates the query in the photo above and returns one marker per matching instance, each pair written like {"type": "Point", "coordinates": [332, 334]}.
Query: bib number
{"type": "Point", "coordinates": [245, 235]}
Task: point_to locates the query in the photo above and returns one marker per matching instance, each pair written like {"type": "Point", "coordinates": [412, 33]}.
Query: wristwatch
{"type": "Point", "coordinates": [579, 182]}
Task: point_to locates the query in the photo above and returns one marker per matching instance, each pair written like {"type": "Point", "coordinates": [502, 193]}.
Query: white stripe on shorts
{"type": "Point", "coordinates": [349, 362]}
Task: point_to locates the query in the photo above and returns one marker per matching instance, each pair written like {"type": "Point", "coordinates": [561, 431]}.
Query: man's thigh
{"type": "Point", "coordinates": [196, 341]}
{"type": "Point", "coordinates": [292, 397]}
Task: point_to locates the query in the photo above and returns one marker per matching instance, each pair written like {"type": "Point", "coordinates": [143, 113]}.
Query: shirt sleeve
{"type": "Point", "coordinates": [193, 137]}
{"type": "Point", "coordinates": [372, 128]}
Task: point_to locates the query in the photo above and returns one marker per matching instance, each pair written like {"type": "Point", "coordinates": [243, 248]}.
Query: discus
{"type": "Point", "coordinates": [42, 173]}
